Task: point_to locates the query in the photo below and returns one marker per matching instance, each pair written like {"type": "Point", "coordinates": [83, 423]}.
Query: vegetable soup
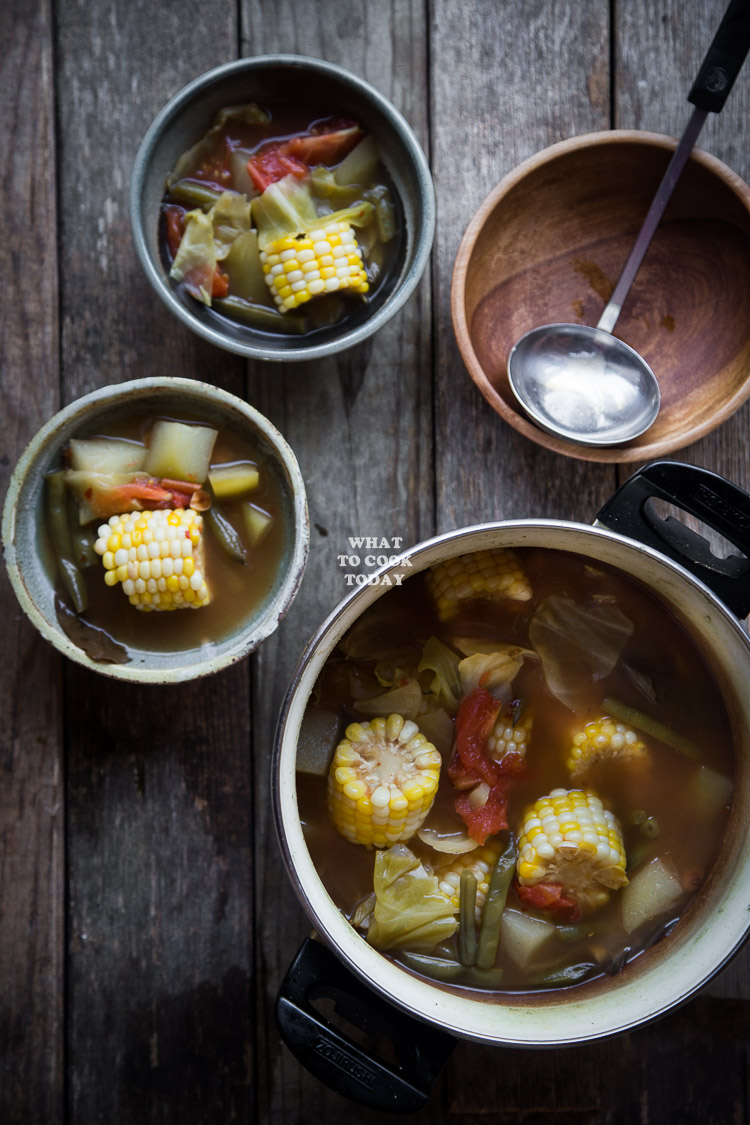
{"type": "Point", "coordinates": [515, 771]}
{"type": "Point", "coordinates": [155, 518]}
{"type": "Point", "coordinates": [280, 221]}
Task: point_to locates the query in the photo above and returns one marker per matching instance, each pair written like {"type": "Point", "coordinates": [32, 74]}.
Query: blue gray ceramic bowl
{"type": "Point", "coordinates": [32, 567]}
{"type": "Point", "coordinates": [284, 79]}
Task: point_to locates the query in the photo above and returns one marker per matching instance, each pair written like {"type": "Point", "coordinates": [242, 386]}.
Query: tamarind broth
{"type": "Point", "coordinates": [236, 589]}
{"type": "Point", "coordinates": [660, 654]}
{"type": "Point", "coordinates": [214, 169]}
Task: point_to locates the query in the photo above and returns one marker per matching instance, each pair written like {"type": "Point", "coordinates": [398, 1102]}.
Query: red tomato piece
{"type": "Point", "coordinates": [324, 148]}
{"type": "Point", "coordinates": [174, 218]}
{"type": "Point", "coordinates": [272, 163]}
{"type": "Point", "coordinates": [220, 287]}
{"type": "Point", "coordinates": [551, 898]}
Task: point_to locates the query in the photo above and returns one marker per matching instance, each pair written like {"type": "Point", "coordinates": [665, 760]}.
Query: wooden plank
{"type": "Point", "coordinates": [360, 426]}
{"type": "Point", "coordinates": [160, 820]}
{"type": "Point", "coordinates": [507, 80]}
{"type": "Point", "coordinates": [31, 791]}
{"type": "Point", "coordinates": [659, 51]}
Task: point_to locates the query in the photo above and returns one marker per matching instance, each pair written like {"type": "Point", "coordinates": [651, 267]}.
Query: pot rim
{"type": "Point", "coordinates": [586, 1014]}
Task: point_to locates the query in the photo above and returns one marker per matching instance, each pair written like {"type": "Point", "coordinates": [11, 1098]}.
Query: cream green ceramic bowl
{"type": "Point", "coordinates": [31, 564]}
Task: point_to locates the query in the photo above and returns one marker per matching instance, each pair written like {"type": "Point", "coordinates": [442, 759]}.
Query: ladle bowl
{"type": "Point", "coordinates": [547, 245]}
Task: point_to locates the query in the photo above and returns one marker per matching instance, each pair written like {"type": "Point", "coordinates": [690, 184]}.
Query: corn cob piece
{"type": "Point", "coordinates": [604, 739]}
{"type": "Point", "coordinates": [509, 738]}
{"type": "Point", "coordinates": [481, 862]}
{"type": "Point", "coordinates": [569, 838]}
{"type": "Point", "coordinates": [325, 260]}
{"type": "Point", "coordinates": [494, 575]}
{"type": "Point", "coordinates": [382, 781]}
{"type": "Point", "coordinates": [156, 557]}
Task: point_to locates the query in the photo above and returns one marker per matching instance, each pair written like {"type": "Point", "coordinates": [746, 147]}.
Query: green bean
{"type": "Point", "coordinates": [192, 193]}
{"type": "Point", "coordinates": [441, 968]}
{"type": "Point", "coordinates": [645, 723]}
{"type": "Point", "coordinates": [467, 904]}
{"type": "Point", "coordinates": [59, 526]}
{"type": "Point", "coordinates": [82, 537]}
{"type": "Point", "coordinates": [259, 316]}
{"type": "Point", "coordinates": [482, 978]}
{"type": "Point", "coordinates": [571, 974]}
{"type": "Point", "coordinates": [225, 535]}
{"type": "Point", "coordinates": [492, 915]}
{"type": "Point", "coordinates": [570, 933]}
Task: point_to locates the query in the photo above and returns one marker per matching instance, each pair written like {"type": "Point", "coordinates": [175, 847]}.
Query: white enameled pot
{"type": "Point", "coordinates": [718, 919]}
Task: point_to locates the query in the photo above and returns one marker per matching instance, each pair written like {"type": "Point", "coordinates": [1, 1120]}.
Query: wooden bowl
{"type": "Point", "coordinates": [548, 245]}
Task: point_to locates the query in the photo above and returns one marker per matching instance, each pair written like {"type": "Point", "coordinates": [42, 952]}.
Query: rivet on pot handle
{"type": "Point", "coordinates": [420, 1050]}
{"type": "Point", "coordinates": [717, 502]}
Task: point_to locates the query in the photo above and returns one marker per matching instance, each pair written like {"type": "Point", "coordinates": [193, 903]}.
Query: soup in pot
{"type": "Point", "coordinates": [515, 771]}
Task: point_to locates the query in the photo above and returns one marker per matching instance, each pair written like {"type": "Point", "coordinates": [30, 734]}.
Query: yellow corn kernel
{"type": "Point", "coordinates": [309, 267]}
{"type": "Point", "coordinates": [494, 575]}
{"type": "Point", "coordinates": [162, 568]}
{"type": "Point", "coordinates": [604, 739]}
{"type": "Point", "coordinates": [509, 738]}
{"type": "Point", "coordinates": [481, 862]}
{"type": "Point", "coordinates": [382, 781]}
{"type": "Point", "coordinates": [569, 838]}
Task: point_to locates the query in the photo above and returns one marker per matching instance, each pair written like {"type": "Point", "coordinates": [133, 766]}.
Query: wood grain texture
{"type": "Point", "coordinates": [31, 756]}
{"type": "Point", "coordinates": [360, 426]}
{"type": "Point", "coordinates": [657, 39]}
{"type": "Point", "coordinates": [179, 919]}
{"type": "Point", "coordinates": [660, 45]}
{"type": "Point", "coordinates": [508, 80]}
{"type": "Point", "coordinates": [160, 964]}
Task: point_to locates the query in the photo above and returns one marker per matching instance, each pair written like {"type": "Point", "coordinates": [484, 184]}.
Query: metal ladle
{"type": "Point", "coordinates": [581, 383]}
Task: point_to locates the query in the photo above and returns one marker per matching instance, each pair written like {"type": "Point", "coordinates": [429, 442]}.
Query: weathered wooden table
{"type": "Point", "coordinates": [145, 916]}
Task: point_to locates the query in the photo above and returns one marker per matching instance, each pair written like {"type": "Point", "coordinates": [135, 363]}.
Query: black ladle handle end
{"type": "Point", "coordinates": [724, 59]}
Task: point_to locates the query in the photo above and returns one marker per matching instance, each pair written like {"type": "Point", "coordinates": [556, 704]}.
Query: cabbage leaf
{"type": "Point", "coordinates": [250, 114]}
{"type": "Point", "coordinates": [577, 644]}
{"type": "Point", "coordinates": [195, 260]}
{"type": "Point", "coordinates": [404, 699]}
{"type": "Point", "coordinates": [445, 685]}
{"type": "Point", "coordinates": [494, 671]}
{"type": "Point", "coordinates": [410, 912]}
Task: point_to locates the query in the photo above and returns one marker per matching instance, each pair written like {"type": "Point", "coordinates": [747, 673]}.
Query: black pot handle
{"type": "Point", "coordinates": [717, 502]}
{"type": "Point", "coordinates": [420, 1051]}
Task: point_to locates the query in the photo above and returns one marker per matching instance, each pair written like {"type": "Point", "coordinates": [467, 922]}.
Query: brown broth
{"type": "Point", "coordinates": [661, 649]}
{"type": "Point", "coordinates": [324, 311]}
{"type": "Point", "coordinates": [236, 589]}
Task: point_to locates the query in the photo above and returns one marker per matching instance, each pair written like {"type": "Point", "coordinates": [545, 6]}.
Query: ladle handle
{"type": "Point", "coordinates": [724, 59]}
{"type": "Point", "coordinates": [708, 94]}
{"type": "Point", "coordinates": [611, 313]}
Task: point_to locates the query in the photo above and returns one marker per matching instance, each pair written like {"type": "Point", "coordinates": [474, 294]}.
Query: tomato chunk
{"type": "Point", "coordinates": [471, 765]}
{"type": "Point", "coordinates": [551, 898]}
{"type": "Point", "coordinates": [272, 163]}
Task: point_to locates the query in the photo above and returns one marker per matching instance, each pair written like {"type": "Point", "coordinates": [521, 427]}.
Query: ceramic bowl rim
{"type": "Point", "coordinates": [395, 120]}
{"type": "Point", "coordinates": [256, 631]}
{"type": "Point", "coordinates": [620, 453]}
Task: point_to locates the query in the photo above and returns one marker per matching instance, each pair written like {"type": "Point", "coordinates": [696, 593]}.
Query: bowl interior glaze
{"type": "Point", "coordinates": [548, 244]}
{"type": "Point", "coordinates": [31, 564]}
{"type": "Point", "coordinates": [324, 90]}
